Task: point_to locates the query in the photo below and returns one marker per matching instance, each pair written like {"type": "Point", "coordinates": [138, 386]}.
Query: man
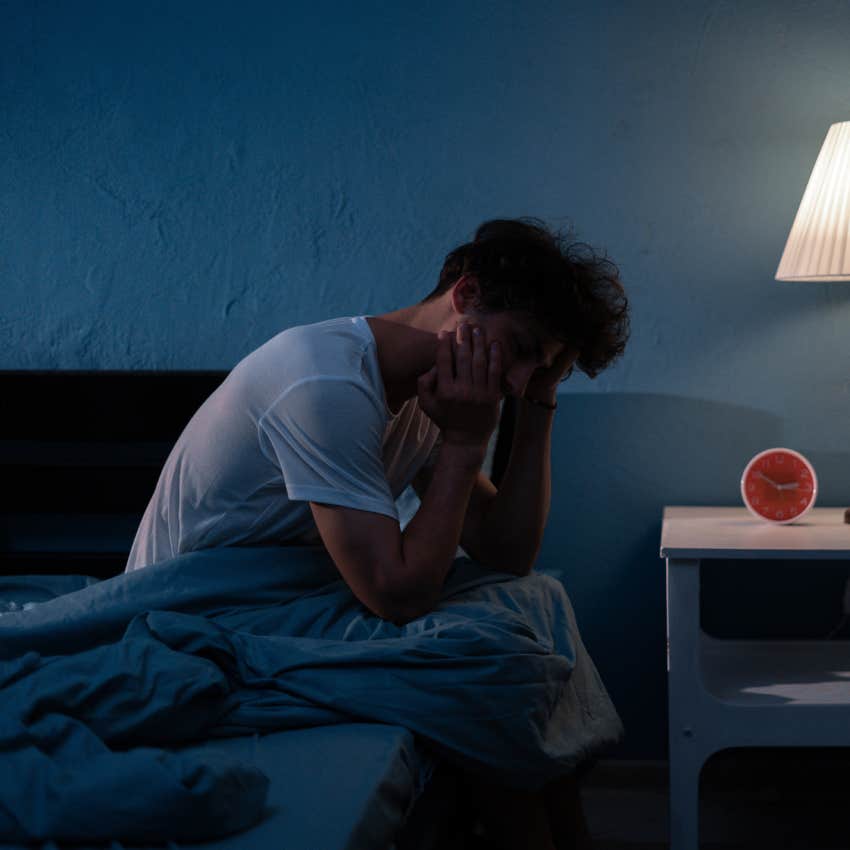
{"type": "Point", "coordinates": [313, 436]}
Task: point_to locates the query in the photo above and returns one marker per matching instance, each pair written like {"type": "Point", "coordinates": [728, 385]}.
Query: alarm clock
{"type": "Point", "coordinates": [779, 485]}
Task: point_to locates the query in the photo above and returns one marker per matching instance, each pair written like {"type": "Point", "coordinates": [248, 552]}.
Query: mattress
{"type": "Point", "coordinates": [349, 786]}
{"type": "Point", "coordinates": [342, 787]}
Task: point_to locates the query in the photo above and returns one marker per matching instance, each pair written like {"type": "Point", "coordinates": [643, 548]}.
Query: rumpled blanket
{"type": "Point", "coordinates": [99, 683]}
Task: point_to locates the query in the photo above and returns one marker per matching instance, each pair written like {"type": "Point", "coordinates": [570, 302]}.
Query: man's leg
{"type": "Point", "coordinates": [552, 817]}
{"type": "Point", "coordinates": [511, 819]}
{"type": "Point", "coordinates": [566, 814]}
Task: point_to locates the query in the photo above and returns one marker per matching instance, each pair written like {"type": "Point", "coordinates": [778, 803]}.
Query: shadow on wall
{"type": "Point", "coordinates": [617, 460]}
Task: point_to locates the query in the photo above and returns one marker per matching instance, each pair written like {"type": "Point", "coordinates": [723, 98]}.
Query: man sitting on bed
{"type": "Point", "coordinates": [315, 434]}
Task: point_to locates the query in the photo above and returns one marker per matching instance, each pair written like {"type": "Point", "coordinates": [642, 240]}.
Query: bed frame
{"type": "Point", "coordinates": [81, 452]}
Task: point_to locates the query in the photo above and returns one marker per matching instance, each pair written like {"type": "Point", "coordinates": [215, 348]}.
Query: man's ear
{"type": "Point", "coordinates": [466, 294]}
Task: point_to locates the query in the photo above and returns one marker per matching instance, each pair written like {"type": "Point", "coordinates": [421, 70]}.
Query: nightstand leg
{"type": "Point", "coordinates": [685, 768]}
{"type": "Point", "coordinates": [686, 756]}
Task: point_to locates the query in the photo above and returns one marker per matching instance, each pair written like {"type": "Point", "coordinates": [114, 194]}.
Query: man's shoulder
{"type": "Point", "coordinates": [343, 330]}
{"type": "Point", "coordinates": [323, 342]}
{"type": "Point", "coordinates": [332, 348]}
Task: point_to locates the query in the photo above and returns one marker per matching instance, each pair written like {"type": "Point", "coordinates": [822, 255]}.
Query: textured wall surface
{"type": "Point", "coordinates": [180, 181]}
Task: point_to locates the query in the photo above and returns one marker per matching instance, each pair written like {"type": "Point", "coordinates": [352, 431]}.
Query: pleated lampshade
{"type": "Point", "coordinates": [818, 246]}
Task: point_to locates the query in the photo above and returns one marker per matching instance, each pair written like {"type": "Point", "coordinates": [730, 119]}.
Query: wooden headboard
{"type": "Point", "coordinates": [81, 452]}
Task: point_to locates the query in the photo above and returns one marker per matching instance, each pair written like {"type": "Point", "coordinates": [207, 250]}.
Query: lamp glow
{"type": "Point", "coordinates": [818, 246]}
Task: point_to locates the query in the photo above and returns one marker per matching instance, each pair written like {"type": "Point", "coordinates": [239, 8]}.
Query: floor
{"type": "Point", "coordinates": [749, 798]}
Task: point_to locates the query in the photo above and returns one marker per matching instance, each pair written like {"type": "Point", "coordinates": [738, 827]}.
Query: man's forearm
{"type": "Point", "coordinates": [431, 538]}
{"type": "Point", "coordinates": [515, 519]}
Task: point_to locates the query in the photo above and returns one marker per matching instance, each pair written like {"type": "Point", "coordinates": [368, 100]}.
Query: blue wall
{"type": "Point", "coordinates": [180, 181]}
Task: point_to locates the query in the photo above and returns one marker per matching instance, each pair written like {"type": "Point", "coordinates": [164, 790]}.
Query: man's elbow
{"type": "Point", "coordinates": [403, 617]}
{"type": "Point", "coordinates": [401, 605]}
{"type": "Point", "coordinates": [400, 614]}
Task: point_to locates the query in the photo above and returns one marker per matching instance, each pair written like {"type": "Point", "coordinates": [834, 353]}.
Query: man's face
{"type": "Point", "coordinates": [524, 344]}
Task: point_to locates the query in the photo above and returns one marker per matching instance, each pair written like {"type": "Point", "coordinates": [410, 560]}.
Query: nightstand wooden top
{"type": "Point", "coordinates": [717, 532]}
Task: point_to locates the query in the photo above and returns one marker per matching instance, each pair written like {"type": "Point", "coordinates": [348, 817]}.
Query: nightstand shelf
{"type": "Point", "coordinates": [732, 693]}
{"type": "Point", "coordinates": [777, 673]}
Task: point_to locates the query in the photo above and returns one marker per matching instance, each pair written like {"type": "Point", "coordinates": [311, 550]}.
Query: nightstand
{"type": "Point", "coordinates": [733, 693]}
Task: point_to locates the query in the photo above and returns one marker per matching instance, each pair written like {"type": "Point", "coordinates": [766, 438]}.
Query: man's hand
{"type": "Point", "coordinates": [461, 393]}
{"type": "Point", "coordinates": [544, 381]}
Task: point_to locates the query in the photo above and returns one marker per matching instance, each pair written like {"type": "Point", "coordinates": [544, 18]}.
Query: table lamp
{"type": "Point", "coordinates": [818, 246]}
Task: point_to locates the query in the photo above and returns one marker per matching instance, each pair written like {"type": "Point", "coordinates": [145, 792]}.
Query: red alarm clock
{"type": "Point", "coordinates": [779, 485]}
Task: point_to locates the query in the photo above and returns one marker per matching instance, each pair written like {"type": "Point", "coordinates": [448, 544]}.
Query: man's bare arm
{"type": "Point", "coordinates": [509, 532]}
{"type": "Point", "coordinates": [399, 576]}
{"type": "Point", "coordinates": [509, 539]}
{"type": "Point", "coordinates": [431, 538]}
{"type": "Point", "coordinates": [464, 402]}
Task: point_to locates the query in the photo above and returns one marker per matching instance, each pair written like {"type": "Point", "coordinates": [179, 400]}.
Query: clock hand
{"type": "Point", "coordinates": [769, 481]}
{"type": "Point", "coordinates": [790, 486]}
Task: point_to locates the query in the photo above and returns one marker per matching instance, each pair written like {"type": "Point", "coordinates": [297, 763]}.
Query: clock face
{"type": "Point", "coordinates": [779, 485]}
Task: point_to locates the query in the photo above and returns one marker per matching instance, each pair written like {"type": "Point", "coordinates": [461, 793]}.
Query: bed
{"type": "Point", "coordinates": [345, 769]}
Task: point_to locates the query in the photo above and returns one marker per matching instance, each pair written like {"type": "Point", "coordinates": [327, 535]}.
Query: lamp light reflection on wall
{"type": "Point", "coordinates": [818, 246]}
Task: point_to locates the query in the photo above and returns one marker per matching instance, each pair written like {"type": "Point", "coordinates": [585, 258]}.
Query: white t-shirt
{"type": "Point", "coordinates": [302, 418]}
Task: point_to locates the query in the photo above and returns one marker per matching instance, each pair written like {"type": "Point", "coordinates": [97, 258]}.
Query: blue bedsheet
{"type": "Point", "coordinates": [233, 641]}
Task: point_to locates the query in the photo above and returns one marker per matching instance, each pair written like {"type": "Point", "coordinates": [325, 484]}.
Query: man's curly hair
{"type": "Point", "coordinates": [574, 294]}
